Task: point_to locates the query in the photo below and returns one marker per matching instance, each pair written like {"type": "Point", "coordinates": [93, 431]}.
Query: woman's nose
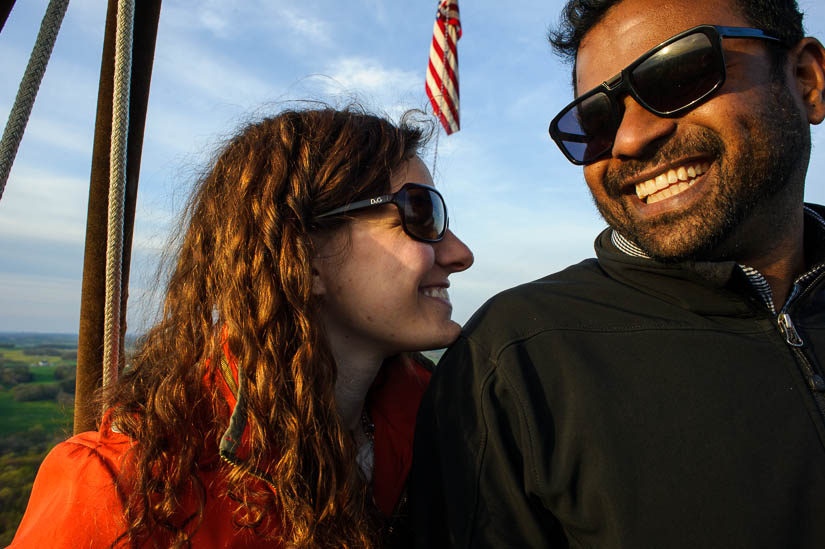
{"type": "Point", "coordinates": [452, 253]}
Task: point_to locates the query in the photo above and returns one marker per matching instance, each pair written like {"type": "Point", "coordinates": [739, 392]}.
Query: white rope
{"type": "Point", "coordinates": [444, 73]}
{"type": "Point", "coordinates": [23, 103]}
{"type": "Point", "coordinates": [435, 148]}
{"type": "Point", "coordinates": [117, 184]}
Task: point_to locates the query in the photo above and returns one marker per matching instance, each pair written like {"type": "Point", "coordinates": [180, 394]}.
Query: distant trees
{"type": "Point", "coordinates": [69, 355]}
{"type": "Point", "coordinates": [8, 363]}
{"type": "Point", "coordinates": [26, 392]}
{"type": "Point", "coordinates": [65, 372]}
{"type": "Point", "coordinates": [25, 441]}
{"type": "Point", "coordinates": [16, 477]}
{"type": "Point", "coordinates": [12, 375]}
{"type": "Point", "coordinates": [55, 349]}
{"type": "Point", "coordinates": [35, 439]}
{"type": "Point", "coordinates": [67, 376]}
{"type": "Point", "coordinates": [18, 378]}
{"type": "Point", "coordinates": [20, 457]}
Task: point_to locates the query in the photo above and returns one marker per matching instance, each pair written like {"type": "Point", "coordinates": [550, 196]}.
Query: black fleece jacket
{"type": "Point", "coordinates": [626, 403]}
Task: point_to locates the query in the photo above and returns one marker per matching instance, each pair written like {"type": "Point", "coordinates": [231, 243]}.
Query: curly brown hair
{"type": "Point", "coordinates": [243, 278]}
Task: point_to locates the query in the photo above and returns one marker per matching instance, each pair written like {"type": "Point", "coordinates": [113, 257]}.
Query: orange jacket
{"type": "Point", "coordinates": [75, 502]}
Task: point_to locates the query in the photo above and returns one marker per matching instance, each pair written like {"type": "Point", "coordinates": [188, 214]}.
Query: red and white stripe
{"type": "Point", "coordinates": [442, 72]}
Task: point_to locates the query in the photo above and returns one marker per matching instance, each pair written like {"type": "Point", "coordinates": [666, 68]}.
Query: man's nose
{"type": "Point", "coordinates": [638, 129]}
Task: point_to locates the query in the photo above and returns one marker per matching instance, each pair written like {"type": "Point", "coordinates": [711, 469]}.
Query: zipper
{"type": "Point", "coordinates": [252, 472]}
{"type": "Point", "coordinates": [788, 330]}
{"type": "Point", "coordinates": [794, 340]}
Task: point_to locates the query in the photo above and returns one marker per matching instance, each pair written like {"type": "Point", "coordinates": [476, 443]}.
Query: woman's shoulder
{"type": "Point", "coordinates": [97, 455]}
{"type": "Point", "coordinates": [74, 500]}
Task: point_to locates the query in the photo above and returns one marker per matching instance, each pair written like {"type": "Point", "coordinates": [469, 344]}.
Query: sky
{"type": "Point", "coordinates": [513, 198]}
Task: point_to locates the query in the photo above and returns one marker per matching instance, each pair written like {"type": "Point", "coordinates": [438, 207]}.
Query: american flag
{"type": "Point", "coordinates": [442, 72]}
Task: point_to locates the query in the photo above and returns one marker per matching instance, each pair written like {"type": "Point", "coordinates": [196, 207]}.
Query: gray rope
{"type": "Point", "coordinates": [445, 58]}
{"type": "Point", "coordinates": [23, 103]}
{"type": "Point", "coordinates": [117, 185]}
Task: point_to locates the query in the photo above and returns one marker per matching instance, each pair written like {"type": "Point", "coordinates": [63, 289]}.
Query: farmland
{"type": "Point", "coordinates": [37, 374]}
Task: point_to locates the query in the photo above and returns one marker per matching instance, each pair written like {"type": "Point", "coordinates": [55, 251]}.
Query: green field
{"type": "Point", "coordinates": [22, 416]}
{"type": "Point", "coordinates": [43, 374]}
{"type": "Point", "coordinates": [18, 355]}
{"type": "Point", "coordinates": [19, 417]}
{"type": "Point", "coordinates": [28, 429]}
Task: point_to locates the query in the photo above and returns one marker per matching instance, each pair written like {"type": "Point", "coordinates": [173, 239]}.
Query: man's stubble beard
{"type": "Point", "coordinates": [766, 164]}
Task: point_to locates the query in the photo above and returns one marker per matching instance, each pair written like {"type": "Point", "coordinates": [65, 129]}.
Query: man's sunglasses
{"type": "Point", "coordinates": [668, 80]}
{"type": "Point", "coordinates": [422, 208]}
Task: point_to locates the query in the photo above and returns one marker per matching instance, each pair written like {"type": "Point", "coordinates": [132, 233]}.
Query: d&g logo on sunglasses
{"type": "Point", "coordinates": [378, 200]}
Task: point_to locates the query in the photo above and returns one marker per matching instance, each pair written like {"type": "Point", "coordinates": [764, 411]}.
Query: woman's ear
{"type": "Point", "coordinates": [327, 248]}
{"type": "Point", "coordinates": [809, 71]}
{"type": "Point", "coordinates": [318, 286]}
{"type": "Point", "coordinates": [320, 262]}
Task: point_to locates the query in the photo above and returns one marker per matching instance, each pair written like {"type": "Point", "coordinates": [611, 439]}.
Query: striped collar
{"type": "Point", "coordinates": [756, 279]}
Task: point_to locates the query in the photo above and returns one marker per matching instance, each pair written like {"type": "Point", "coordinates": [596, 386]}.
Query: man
{"type": "Point", "coordinates": [670, 392]}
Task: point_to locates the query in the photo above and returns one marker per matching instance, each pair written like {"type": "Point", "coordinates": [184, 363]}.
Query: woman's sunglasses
{"type": "Point", "coordinates": [668, 80]}
{"type": "Point", "coordinates": [422, 208]}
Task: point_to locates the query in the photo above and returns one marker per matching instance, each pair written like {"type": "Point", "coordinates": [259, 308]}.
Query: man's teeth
{"type": "Point", "coordinates": [670, 183]}
{"type": "Point", "coordinates": [438, 292]}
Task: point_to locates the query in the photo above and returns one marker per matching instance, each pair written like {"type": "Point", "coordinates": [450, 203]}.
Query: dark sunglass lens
{"type": "Point", "coordinates": [424, 213]}
{"type": "Point", "coordinates": [678, 74]}
{"type": "Point", "coordinates": [588, 127]}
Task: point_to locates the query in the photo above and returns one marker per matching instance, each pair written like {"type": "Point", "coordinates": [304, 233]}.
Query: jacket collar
{"type": "Point", "coordinates": [392, 401]}
{"type": "Point", "coordinates": [710, 287]}
{"type": "Point", "coordinates": [231, 384]}
{"type": "Point", "coordinates": [695, 286]}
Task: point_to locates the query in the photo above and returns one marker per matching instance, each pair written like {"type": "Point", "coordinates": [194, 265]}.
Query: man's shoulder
{"type": "Point", "coordinates": [569, 297]}
{"type": "Point", "coordinates": [568, 282]}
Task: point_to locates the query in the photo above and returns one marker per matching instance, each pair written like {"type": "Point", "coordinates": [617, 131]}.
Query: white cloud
{"type": "Point", "coordinates": [61, 134]}
{"type": "Point", "coordinates": [359, 73]}
{"type": "Point", "coordinates": [188, 67]}
{"type": "Point", "coordinates": [231, 21]}
{"type": "Point", "coordinates": [218, 18]}
{"type": "Point", "coordinates": [378, 10]}
{"type": "Point", "coordinates": [306, 27]}
{"type": "Point", "coordinates": [44, 204]}
{"type": "Point", "coordinates": [214, 22]}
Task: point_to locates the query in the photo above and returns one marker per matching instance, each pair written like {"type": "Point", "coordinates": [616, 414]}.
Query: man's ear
{"type": "Point", "coordinates": [809, 72]}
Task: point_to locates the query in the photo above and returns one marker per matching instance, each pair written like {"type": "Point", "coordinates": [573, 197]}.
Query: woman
{"type": "Point", "coordinates": [274, 402]}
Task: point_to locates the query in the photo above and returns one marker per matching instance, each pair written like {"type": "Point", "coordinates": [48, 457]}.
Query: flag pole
{"type": "Point", "coordinates": [445, 52]}
{"type": "Point", "coordinates": [435, 148]}
{"type": "Point", "coordinates": [442, 82]}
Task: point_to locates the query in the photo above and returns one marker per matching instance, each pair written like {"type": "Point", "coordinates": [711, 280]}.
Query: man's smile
{"type": "Point", "coordinates": [670, 182]}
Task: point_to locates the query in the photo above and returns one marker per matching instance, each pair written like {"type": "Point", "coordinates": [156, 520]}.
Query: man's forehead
{"type": "Point", "coordinates": [631, 27]}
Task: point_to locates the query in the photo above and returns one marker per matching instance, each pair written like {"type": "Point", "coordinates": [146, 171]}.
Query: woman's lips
{"type": "Point", "coordinates": [437, 292]}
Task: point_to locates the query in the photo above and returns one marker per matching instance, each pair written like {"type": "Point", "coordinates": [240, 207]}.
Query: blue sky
{"type": "Point", "coordinates": [521, 207]}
